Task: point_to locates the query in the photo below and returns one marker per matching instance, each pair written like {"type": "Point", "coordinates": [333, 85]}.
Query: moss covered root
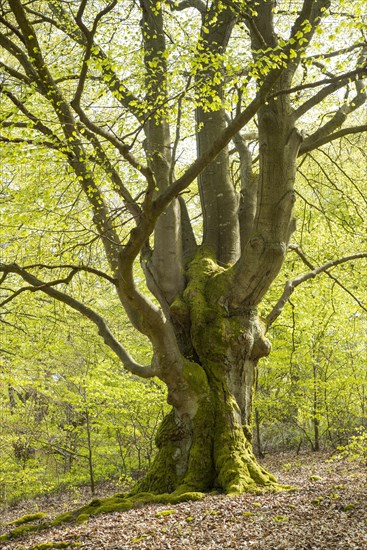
{"type": "Point", "coordinates": [24, 525]}
{"type": "Point", "coordinates": [117, 503]}
{"type": "Point", "coordinates": [28, 518]}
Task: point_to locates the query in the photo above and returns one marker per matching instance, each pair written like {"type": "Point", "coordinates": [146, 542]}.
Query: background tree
{"type": "Point", "coordinates": [118, 91]}
{"type": "Point", "coordinates": [70, 415]}
{"type": "Point", "coordinates": [319, 342]}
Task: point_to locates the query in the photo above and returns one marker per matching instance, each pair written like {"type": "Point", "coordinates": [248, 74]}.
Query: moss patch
{"type": "Point", "coordinates": [164, 513]}
{"type": "Point", "coordinates": [23, 530]}
{"type": "Point", "coordinates": [27, 518]}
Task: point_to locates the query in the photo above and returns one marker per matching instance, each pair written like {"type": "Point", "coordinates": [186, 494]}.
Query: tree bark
{"type": "Point", "coordinates": [205, 442]}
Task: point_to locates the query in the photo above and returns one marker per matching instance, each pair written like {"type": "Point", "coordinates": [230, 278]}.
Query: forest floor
{"type": "Point", "coordinates": [328, 511]}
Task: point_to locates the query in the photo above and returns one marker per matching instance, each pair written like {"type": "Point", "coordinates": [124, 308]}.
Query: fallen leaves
{"type": "Point", "coordinates": [328, 512]}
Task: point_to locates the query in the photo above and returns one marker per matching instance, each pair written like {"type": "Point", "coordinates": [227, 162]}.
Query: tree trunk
{"type": "Point", "coordinates": [206, 443]}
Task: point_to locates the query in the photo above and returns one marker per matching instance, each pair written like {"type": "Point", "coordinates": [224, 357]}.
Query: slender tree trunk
{"type": "Point", "coordinates": [315, 409]}
{"type": "Point", "coordinates": [90, 452]}
{"type": "Point", "coordinates": [260, 451]}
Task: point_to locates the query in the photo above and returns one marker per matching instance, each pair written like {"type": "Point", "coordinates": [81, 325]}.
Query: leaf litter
{"type": "Point", "coordinates": [328, 511]}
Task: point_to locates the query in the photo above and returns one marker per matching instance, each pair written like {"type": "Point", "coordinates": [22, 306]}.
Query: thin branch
{"type": "Point", "coordinates": [49, 284]}
{"type": "Point", "coordinates": [117, 87]}
{"type": "Point", "coordinates": [90, 38]}
{"type": "Point", "coordinates": [336, 52]}
{"type": "Point", "coordinates": [347, 77]}
{"type": "Point", "coordinates": [306, 146]}
{"type": "Point", "coordinates": [77, 268]}
{"type": "Point", "coordinates": [37, 124]}
{"type": "Point", "coordinates": [122, 147]}
{"type": "Point", "coordinates": [292, 284]}
{"type": "Point", "coordinates": [15, 74]}
{"type": "Point", "coordinates": [48, 144]}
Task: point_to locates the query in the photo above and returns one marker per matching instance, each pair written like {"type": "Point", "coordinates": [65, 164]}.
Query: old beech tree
{"type": "Point", "coordinates": [182, 122]}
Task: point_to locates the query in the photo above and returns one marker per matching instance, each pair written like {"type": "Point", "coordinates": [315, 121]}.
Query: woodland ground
{"type": "Point", "coordinates": [328, 511]}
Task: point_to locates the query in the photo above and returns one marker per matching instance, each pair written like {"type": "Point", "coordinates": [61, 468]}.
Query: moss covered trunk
{"type": "Point", "coordinates": [206, 443]}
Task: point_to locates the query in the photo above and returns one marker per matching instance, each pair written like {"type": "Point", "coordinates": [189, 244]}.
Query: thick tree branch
{"type": "Point", "coordinates": [103, 329]}
{"type": "Point", "coordinates": [203, 160]}
{"type": "Point", "coordinates": [292, 284]}
{"type": "Point", "coordinates": [184, 4]}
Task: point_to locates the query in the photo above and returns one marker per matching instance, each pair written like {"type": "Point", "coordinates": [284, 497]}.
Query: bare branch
{"type": "Point", "coordinates": [75, 268]}
{"type": "Point", "coordinates": [15, 74]}
{"type": "Point", "coordinates": [117, 87]}
{"type": "Point", "coordinates": [122, 147]}
{"type": "Point", "coordinates": [292, 284]}
{"type": "Point", "coordinates": [345, 78]}
{"type": "Point", "coordinates": [37, 124]}
{"type": "Point", "coordinates": [49, 284]}
{"type": "Point", "coordinates": [307, 146]}
{"type": "Point", "coordinates": [335, 53]}
{"type": "Point", "coordinates": [102, 159]}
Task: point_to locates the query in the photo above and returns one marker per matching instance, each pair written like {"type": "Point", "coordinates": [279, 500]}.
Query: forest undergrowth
{"type": "Point", "coordinates": [327, 511]}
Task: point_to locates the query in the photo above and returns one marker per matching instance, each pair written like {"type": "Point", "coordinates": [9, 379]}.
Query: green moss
{"type": "Point", "coordinates": [164, 513]}
{"type": "Point", "coordinates": [95, 502]}
{"type": "Point", "coordinates": [187, 496]}
{"type": "Point", "coordinates": [179, 308]}
{"type": "Point", "coordinates": [114, 507]}
{"type": "Point", "coordinates": [62, 518]}
{"type": "Point", "coordinates": [23, 530]}
{"type": "Point", "coordinates": [25, 526]}
{"type": "Point", "coordinates": [82, 518]}
{"type": "Point", "coordinates": [280, 519]}
{"type": "Point", "coordinates": [139, 539]}
{"type": "Point", "coordinates": [105, 506]}
{"type": "Point", "coordinates": [200, 270]}
{"type": "Point", "coordinates": [196, 377]}
{"type": "Point", "coordinates": [162, 476]}
{"type": "Point", "coordinates": [27, 518]}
